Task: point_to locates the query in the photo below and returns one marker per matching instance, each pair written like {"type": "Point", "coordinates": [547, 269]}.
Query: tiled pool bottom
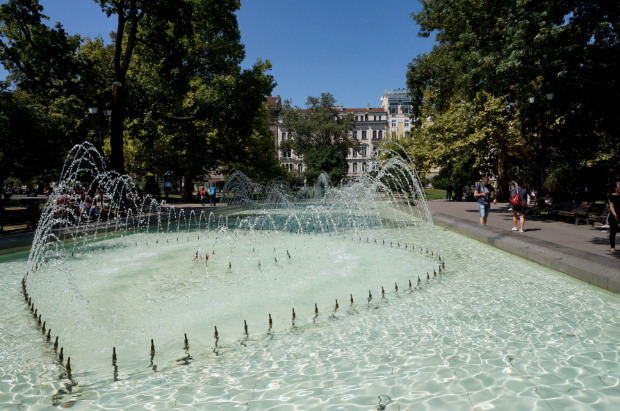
{"type": "Point", "coordinates": [496, 332]}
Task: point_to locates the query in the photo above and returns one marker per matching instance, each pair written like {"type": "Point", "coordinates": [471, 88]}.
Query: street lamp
{"type": "Point", "coordinates": [549, 95]}
{"type": "Point", "coordinates": [531, 100]}
{"type": "Point", "coordinates": [93, 110]}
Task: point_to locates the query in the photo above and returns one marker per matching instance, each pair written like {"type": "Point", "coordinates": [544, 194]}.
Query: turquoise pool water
{"type": "Point", "coordinates": [493, 332]}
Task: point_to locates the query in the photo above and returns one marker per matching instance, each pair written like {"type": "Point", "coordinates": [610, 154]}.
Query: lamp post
{"type": "Point", "coordinates": [106, 112]}
{"type": "Point", "coordinates": [532, 100]}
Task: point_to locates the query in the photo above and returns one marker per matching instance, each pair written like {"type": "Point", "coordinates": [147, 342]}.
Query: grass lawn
{"type": "Point", "coordinates": [435, 194]}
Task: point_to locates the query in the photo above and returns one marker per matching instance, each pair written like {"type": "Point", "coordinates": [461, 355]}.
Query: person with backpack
{"type": "Point", "coordinates": [203, 196]}
{"type": "Point", "coordinates": [613, 198]}
{"type": "Point", "coordinates": [518, 201]}
{"type": "Point", "coordinates": [482, 193]}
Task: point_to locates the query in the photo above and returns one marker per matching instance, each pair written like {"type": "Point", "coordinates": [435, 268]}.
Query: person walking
{"type": "Point", "coordinates": [518, 200]}
{"type": "Point", "coordinates": [203, 196]}
{"type": "Point", "coordinates": [483, 193]}
{"type": "Point", "coordinates": [613, 198]}
{"type": "Point", "coordinates": [449, 192]}
{"type": "Point", "coordinates": [212, 195]}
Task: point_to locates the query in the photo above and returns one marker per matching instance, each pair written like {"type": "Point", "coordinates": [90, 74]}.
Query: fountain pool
{"type": "Point", "coordinates": [494, 331]}
{"type": "Point", "coordinates": [349, 299]}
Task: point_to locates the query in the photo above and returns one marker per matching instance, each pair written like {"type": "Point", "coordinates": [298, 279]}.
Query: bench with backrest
{"type": "Point", "coordinates": [573, 210]}
{"type": "Point", "coordinates": [16, 220]}
{"type": "Point", "coordinates": [596, 216]}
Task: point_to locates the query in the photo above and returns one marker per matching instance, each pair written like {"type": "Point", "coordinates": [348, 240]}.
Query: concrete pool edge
{"type": "Point", "coordinates": [582, 265]}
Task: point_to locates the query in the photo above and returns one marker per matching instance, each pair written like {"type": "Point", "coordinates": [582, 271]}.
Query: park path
{"type": "Point", "coordinates": [580, 237]}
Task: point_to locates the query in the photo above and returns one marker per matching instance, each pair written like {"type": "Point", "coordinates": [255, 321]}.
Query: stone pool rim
{"type": "Point", "coordinates": [579, 264]}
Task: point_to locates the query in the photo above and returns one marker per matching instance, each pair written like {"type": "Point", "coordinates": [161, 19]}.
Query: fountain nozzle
{"type": "Point", "coordinates": [428, 277]}
{"type": "Point", "coordinates": [434, 273]}
{"type": "Point", "coordinates": [410, 284]}
{"type": "Point", "coordinates": [293, 314]}
{"type": "Point", "coordinates": [61, 356]}
{"type": "Point", "coordinates": [113, 355]}
{"type": "Point", "coordinates": [316, 309]}
{"type": "Point", "coordinates": [152, 347]}
{"type": "Point", "coordinates": [229, 265]}
{"type": "Point", "coordinates": [382, 293]}
{"type": "Point", "coordinates": [55, 343]}
{"type": "Point", "coordinates": [68, 366]}
{"type": "Point", "coordinates": [419, 280]}
{"type": "Point", "coordinates": [336, 305]}
{"type": "Point", "coordinates": [396, 287]}
{"type": "Point", "coordinates": [369, 296]}
{"type": "Point", "coordinates": [43, 328]}
{"type": "Point", "coordinates": [351, 299]}
{"type": "Point", "coordinates": [186, 340]}
{"type": "Point", "coordinates": [245, 327]}
{"type": "Point", "coordinates": [270, 322]}
{"type": "Point", "coordinates": [49, 335]}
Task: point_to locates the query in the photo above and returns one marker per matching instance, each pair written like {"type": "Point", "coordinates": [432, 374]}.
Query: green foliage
{"type": "Point", "coordinates": [32, 145]}
{"type": "Point", "coordinates": [514, 50]}
{"type": "Point", "coordinates": [320, 135]}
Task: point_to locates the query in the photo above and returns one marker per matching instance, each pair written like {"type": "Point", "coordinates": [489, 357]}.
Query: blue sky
{"type": "Point", "coordinates": [352, 49]}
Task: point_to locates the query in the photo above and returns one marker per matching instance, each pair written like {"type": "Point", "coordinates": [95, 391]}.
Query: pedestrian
{"type": "Point", "coordinates": [483, 193]}
{"type": "Point", "coordinates": [449, 192]}
{"type": "Point", "coordinates": [518, 200]}
{"type": "Point", "coordinates": [203, 196]}
{"type": "Point", "coordinates": [467, 192]}
{"type": "Point", "coordinates": [212, 191]}
{"type": "Point", "coordinates": [613, 198]}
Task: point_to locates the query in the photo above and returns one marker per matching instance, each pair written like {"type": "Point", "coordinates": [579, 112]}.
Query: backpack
{"type": "Point", "coordinates": [515, 201]}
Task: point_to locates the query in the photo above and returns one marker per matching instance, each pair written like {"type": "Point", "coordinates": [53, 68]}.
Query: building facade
{"type": "Point", "coordinates": [397, 103]}
{"type": "Point", "coordinates": [371, 127]}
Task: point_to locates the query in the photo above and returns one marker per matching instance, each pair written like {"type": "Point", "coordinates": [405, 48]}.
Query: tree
{"type": "Point", "coordinates": [527, 48]}
{"type": "Point", "coordinates": [320, 135]}
{"type": "Point", "coordinates": [175, 63]}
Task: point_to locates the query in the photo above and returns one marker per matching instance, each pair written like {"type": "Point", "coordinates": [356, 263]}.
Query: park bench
{"type": "Point", "coordinates": [536, 207]}
{"type": "Point", "coordinates": [599, 217]}
{"type": "Point", "coordinates": [578, 211]}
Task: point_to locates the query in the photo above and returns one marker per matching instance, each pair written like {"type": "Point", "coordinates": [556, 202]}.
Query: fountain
{"type": "Point", "coordinates": [247, 306]}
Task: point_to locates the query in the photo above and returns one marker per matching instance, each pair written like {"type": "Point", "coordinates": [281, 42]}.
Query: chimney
{"type": "Point", "coordinates": [340, 106]}
{"type": "Point", "coordinates": [367, 106]}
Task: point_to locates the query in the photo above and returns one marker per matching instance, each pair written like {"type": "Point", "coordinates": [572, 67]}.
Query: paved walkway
{"type": "Point", "coordinates": [580, 237]}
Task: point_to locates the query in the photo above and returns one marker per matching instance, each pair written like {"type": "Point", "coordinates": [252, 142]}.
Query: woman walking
{"type": "Point", "coordinates": [518, 201]}
{"type": "Point", "coordinates": [613, 198]}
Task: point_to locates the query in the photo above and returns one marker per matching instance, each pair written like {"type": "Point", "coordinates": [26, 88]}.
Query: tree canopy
{"type": "Point", "coordinates": [521, 49]}
{"type": "Point", "coordinates": [172, 69]}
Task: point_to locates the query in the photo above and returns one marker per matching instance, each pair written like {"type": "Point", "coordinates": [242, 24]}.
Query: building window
{"type": "Point", "coordinates": [355, 135]}
{"type": "Point", "coordinates": [374, 133]}
{"type": "Point", "coordinates": [300, 168]}
{"type": "Point", "coordinates": [406, 123]}
{"type": "Point", "coordinates": [405, 109]}
{"type": "Point", "coordinates": [394, 109]}
{"type": "Point", "coordinates": [364, 167]}
{"type": "Point", "coordinates": [283, 136]}
{"type": "Point", "coordinates": [393, 123]}
{"type": "Point", "coordinates": [380, 134]}
{"type": "Point", "coordinates": [354, 153]}
{"type": "Point", "coordinates": [346, 168]}
{"type": "Point", "coordinates": [355, 167]}
{"type": "Point", "coordinates": [364, 150]}
{"type": "Point", "coordinates": [363, 135]}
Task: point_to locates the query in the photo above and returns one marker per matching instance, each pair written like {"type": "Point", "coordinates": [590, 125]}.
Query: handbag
{"type": "Point", "coordinates": [515, 201]}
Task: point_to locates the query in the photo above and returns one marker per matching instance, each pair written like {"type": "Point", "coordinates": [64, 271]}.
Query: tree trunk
{"type": "Point", "coordinates": [117, 155]}
{"type": "Point", "coordinates": [188, 176]}
{"type": "Point", "coordinates": [502, 172]}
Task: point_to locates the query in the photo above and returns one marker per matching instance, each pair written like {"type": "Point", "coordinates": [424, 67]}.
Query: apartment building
{"type": "Point", "coordinates": [371, 127]}
{"type": "Point", "coordinates": [397, 103]}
